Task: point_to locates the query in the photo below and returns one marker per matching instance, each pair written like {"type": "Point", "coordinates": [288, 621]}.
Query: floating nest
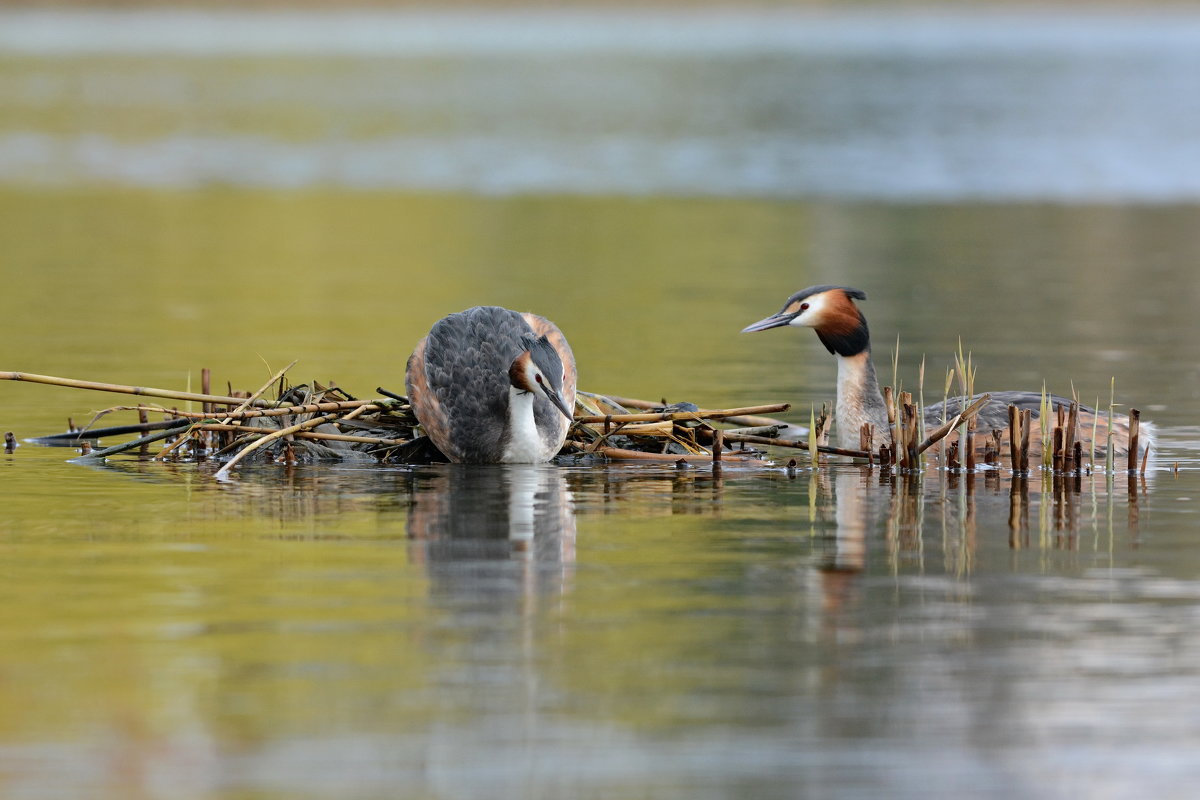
{"type": "Point", "coordinates": [310, 423]}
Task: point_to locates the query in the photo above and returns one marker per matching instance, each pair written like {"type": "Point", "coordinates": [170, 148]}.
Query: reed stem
{"type": "Point", "coordinates": [146, 391]}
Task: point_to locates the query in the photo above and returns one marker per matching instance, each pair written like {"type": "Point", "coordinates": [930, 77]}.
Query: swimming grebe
{"type": "Point", "coordinates": [842, 328]}
{"type": "Point", "coordinates": [490, 385]}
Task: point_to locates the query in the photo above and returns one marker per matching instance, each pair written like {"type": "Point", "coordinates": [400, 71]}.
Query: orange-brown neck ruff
{"type": "Point", "coordinates": [517, 373]}
{"type": "Point", "coordinates": [842, 328]}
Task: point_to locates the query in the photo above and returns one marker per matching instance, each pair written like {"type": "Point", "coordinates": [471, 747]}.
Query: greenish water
{"type": "Point", "coordinates": [590, 632]}
{"type": "Point", "coordinates": [328, 631]}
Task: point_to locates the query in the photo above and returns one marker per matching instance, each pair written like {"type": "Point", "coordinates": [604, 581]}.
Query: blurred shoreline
{"type": "Point", "coordinates": [733, 6]}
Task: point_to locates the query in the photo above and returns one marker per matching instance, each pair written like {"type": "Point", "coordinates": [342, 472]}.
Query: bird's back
{"type": "Point", "coordinates": [458, 382]}
{"type": "Point", "coordinates": [994, 417]}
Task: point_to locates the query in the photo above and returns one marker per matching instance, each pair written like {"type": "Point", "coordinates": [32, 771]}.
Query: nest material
{"type": "Point", "coordinates": [312, 422]}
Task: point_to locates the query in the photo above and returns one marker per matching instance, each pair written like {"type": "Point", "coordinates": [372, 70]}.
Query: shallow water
{"type": "Point", "coordinates": [585, 631]}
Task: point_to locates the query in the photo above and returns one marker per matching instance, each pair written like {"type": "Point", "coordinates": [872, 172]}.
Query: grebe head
{"type": "Point", "coordinates": [830, 311]}
{"type": "Point", "coordinates": [539, 369]}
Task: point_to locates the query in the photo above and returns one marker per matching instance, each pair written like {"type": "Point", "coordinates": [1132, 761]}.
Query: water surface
{"type": "Point", "coordinates": [172, 200]}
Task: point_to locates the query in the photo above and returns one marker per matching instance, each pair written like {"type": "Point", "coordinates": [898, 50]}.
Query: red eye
{"type": "Point", "coordinates": [538, 378]}
{"type": "Point", "coordinates": [804, 306]}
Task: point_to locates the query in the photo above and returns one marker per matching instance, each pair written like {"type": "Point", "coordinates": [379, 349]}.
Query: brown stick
{"type": "Point", "coordinates": [757, 421]}
{"type": "Point", "coordinates": [942, 431]}
{"type": "Point", "coordinates": [1026, 425]}
{"type": "Point", "coordinates": [205, 387]}
{"type": "Point", "coordinates": [336, 437]}
{"type": "Point", "coordinates": [620, 454]}
{"type": "Point", "coordinates": [970, 447]}
{"type": "Point", "coordinates": [1135, 424]}
{"type": "Point", "coordinates": [117, 388]}
{"type": "Point", "coordinates": [272, 436]}
{"type": "Point", "coordinates": [1014, 437]}
{"type": "Point", "coordinates": [836, 451]}
{"type": "Point", "coordinates": [1069, 437]}
{"type": "Point", "coordinates": [716, 446]}
{"type": "Point", "coordinates": [308, 408]}
{"type": "Point", "coordinates": [683, 415]}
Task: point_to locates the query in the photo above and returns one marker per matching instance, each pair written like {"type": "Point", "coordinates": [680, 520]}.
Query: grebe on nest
{"type": "Point", "coordinates": [842, 328]}
{"type": "Point", "coordinates": [490, 386]}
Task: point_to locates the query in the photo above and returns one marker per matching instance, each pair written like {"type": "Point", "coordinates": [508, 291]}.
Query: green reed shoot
{"type": "Point", "coordinates": [1047, 428]}
{"type": "Point", "coordinates": [1095, 431]}
{"type": "Point", "coordinates": [966, 380]}
{"type": "Point", "coordinates": [813, 438]}
{"type": "Point", "coordinates": [921, 410]}
{"type": "Point", "coordinates": [1109, 455]}
{"type": "Point", "coordinates": [942, 445]}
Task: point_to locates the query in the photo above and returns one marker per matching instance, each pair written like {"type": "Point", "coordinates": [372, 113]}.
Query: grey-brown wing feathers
{"type": "Point", "coordinates": [458, 380]}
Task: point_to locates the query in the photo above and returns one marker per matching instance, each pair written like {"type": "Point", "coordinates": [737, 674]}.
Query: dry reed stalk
{"type": "Point", "coordinates": [771, 431]}
{"type": "Point", "coordinates": [903, 404]}
{"type": "Point", "coordinates": [116, 388]}
{"type": "Point", "coordinates": [143, 441]}
{"type": "Point", "coordinates": [664, 428]}
{"type": "Point", "coordinates": [592, 419]}
{"type": "Point", "coordinates": [970, 446]}
{"type": "Point", "coordinates": [1135, 424]}
{"type": "Point", "coordinates": [249, 413]}
{"type": "Point", "coordinates": [1070, 437]}
{"type": "Point", "coordinates": [756, 421]}
{"type": "Point", "coordinates": [1014, 437]}
{"type": "Point", "coordinates": [890, 405]}
{"type": "Point", "coordinates": [223, 472]}
{"type": "Point", "coordinates": [205, 387]}
{"type": "Point", "coordinates": [865, 434]}
{"type": "Point", "coordinates": [835, 451]}
{"type": "Point", "coordinates": [944, 430]}
{"type": "Point", "coordinates": [1026, 425]}
{"type": "Point", "coordinates": [621, 454]}
{"type": "Point", "coordinates": [631, 402]}
{"type": "Point", "coordinates": [747, 420]}
{"type": "Point", "coordinates": [278, 376]}
{"type": "Point", "coordinates": [315, 435]}
{"type": "Point", "coordinates": [176, 444]}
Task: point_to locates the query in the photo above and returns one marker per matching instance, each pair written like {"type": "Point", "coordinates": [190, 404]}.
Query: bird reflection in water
{"type": "Point", "coordinates": [470, 518]}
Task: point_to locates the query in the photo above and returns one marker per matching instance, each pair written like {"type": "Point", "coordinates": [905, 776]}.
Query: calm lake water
{"type": "Point", "coordinates": [239, 191]}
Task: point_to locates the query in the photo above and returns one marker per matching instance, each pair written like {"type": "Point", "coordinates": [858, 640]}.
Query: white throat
{"type": "Point", "coordinates": [524, 444]}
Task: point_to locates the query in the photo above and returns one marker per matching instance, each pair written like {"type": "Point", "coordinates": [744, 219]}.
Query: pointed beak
{"type": "Point", "coordinates": [773, 321]}
{"type": "Point", "coordinates": [559, 403]}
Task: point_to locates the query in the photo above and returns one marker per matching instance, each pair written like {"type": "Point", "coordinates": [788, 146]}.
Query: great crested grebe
{"type": "Point", "coordinates": [490, 385]}
{"type": "Point", "coordinates": [842, 328]}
